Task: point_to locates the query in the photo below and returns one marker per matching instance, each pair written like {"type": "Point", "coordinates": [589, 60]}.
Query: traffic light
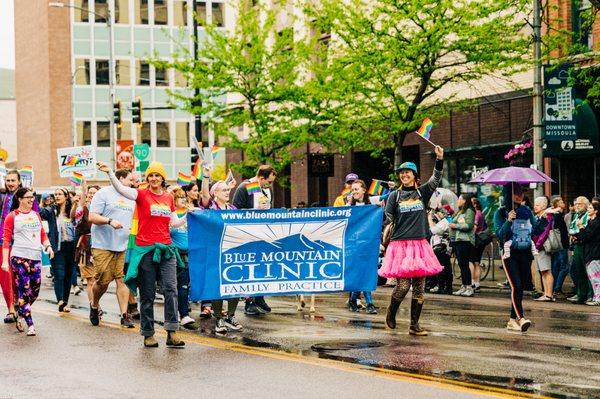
{"type": "Point", "coordinates": [136, 112]}
{"type": "Point", "coordinates": [117, 114]}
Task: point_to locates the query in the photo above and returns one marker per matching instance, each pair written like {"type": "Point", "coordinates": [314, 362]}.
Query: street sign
{"type": "Point", "coordinates": [559, 103]}
{"type": "Point", "coordinates": [141, 152]}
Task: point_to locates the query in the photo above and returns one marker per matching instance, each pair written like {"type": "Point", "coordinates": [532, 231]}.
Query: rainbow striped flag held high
{"type": "Point", "coordinates": [197, 172]}
{"type": "Point", "coordinates": [253, 188]}
{"type": "Point", "coordinates": [376, 188]}
{"type": "Point", "coordinates": [425, 129]}
{"type": "Point", "coordinates": [183, 179]}
{"type": "Point", "coordinates": [76, 179]}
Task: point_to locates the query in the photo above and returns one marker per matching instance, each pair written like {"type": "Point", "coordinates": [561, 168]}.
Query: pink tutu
{"type": "Point", "coordinates": [410, 259]}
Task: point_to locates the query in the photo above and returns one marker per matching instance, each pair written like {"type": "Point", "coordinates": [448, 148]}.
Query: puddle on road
{"type": "Point", "coordinates": [345, 345]}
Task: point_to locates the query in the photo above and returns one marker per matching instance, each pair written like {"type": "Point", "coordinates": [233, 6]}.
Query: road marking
{"type": "Point", "coordinates": [431, 381]}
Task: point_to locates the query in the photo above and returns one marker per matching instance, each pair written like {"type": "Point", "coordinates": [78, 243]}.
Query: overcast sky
{"type": "Point", "coordinates": [7, 34]}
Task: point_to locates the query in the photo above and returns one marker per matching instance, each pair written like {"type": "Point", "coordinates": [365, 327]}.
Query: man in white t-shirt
{"type": "Point", "coordinates": [111, 215]}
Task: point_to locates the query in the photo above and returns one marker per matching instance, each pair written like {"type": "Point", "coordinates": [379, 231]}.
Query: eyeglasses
{"type": "Point", "coordinates": [28, 197]}
{"type": "Point", "coordinates": [183, 198]}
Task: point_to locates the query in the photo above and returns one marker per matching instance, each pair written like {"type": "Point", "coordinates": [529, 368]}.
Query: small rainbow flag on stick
{"type": "Point", "coordinates": [425, 130]}
{"type": "Point", "coordinates": [183, 179]}
{"type": "Point", "coordinates": [197, 170]}
{"type": "Point", "coordinates": [76, 179]}
{"type": "Point", "coordinates": [376, 188]}
{"type": "Point", "coordinates": [253, 188]}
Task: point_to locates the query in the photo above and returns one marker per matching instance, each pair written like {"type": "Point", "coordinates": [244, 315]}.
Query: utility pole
{"type": "Point", "coordinates": [538, 155]}
{"type": "Point", "coordinates": [197, 116]}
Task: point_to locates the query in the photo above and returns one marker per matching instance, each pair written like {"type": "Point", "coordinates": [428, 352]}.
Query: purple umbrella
{"type": "Point", "coordinates": [512, 174]}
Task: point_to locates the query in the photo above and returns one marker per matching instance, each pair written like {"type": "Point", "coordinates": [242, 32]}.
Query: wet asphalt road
{"type": "Point", "coordinates": [289, 353]}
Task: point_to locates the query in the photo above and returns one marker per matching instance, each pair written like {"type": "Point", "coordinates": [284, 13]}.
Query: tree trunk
{"type": "Point", "coordinates": [398, 153]}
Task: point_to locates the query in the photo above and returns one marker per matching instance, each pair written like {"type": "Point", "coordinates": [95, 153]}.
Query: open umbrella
{"type": "Point", "coordinates": [512, 174]}
{"type": "Point", "coordinates": [443, 196]}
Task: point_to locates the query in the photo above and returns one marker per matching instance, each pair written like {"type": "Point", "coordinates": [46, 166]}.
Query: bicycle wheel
{"type": "Point", "coordinates": [487, 261]}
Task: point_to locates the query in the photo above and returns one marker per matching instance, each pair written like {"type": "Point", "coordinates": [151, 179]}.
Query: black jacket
{"type": "Point", "coordinates": [590, 237]}
{"type": "Point", "coordinates": [559, 223]}
{"type": "Point", "coordinates": [49, 214]}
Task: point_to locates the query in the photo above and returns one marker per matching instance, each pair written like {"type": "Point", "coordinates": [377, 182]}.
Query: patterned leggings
{"type": "Point", "coordinates": [418, 285]}
{"type": "Point", "coordinates": [28, 277]}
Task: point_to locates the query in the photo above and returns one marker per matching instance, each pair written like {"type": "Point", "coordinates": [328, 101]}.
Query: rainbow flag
{"type": "Point", "coordinates": [253, 188]}
{"type": "Point", "coordinates": [76, 179]}
{"type": "Point", "coordinates": [132, 234]}
{"type": "Point", "coordinates": [376, 188]}
{"type": "Point", "coordinates": [27, 170]}
{"type": "Point", "coordinates": [216, 149]}
{"type": "Point", "coordinates": [425, 129]}
{"type": "Point", "coordinates": [197, 170]}
{"type": "Point", "coordinates": [181, 212]}
{"type": "Point", "coordinates": [183, 179]}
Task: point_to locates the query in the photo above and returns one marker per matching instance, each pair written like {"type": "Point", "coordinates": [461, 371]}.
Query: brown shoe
{"type": "Point", "coordinates": [173, 340]}
{"type": "Point", "coordinates": [417, 330]}
{"type": "Point", "coordinates": [150, 342]}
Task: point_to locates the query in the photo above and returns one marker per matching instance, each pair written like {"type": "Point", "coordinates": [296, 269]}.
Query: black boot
{"type": "Point", "coordinates": [416, 306]}
{"type": "Point", "coordinates": [390, 317]}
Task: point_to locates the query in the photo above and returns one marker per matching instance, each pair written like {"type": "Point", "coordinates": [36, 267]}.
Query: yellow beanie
{"type": "Point", "coordinates": [157, 167]}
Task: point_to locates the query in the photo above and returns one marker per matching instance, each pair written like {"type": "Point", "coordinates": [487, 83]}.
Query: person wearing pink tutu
{"type": "Point", "coordinates": [409, 258]}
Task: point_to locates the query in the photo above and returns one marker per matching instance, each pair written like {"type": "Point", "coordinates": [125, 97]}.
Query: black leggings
{"type": "Point", "coordinates": [463, 250]}
{"type": "Point", "coordinates": [518, 270]}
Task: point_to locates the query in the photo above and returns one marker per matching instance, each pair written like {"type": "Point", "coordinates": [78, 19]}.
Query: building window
{"type": "Point", "coordinates": [201, 12]}
{"type": "Point", "coordinates": [583, 20]}
{"type": "Point", "coordinates": [102, 72]}
{"type": "Point", "coordinates": [123, 71]}
{"type": "Point", "coordinates": [141, 12]}
{"type": "Point", "coordinates": [79, 14]}
{"type": "Point", "coordinates": [143, 134]}
{"type": "Point", "coordinates": [83, 132]}
{"type": "Point", "coordinates": [103, 134]}
{"type": "Point", "coordinates": [162, 134]}
{"type": "Point", "coordinates": [217, 14]}
{"type": "Point", "coordinates": [124, 133]}
{"type": "Point", "coordinates": [180, 79]}
{"type": "Point", "coordinates": [143, 74]}
{"type": "Point", "coordinates": [81, 75]}
{"type": "Point", "coordinates": [161, 15]}
{"type": "Point", "coordinates": [182, 134]}
{"type": "Point", "coordinates": [101, 10]}
{"type": "Point", "coordinates": [161, 77]}
{"type": "Point", "coordinates": [180, 12]}
{"type": "Point", "coordinates": [122, 11]}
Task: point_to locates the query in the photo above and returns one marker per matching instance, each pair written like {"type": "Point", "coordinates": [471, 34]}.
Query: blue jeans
{"type": "Point", "coordinates": [62, 266]}
{"type": "Point", "coordinates": [368, 298]}
{"type": "Point", "coordinates": [560, 268]}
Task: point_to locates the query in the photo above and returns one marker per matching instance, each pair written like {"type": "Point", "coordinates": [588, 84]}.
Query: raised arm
{"type": "Point", "coordinates": [434, 181]}
{"type": "Point", "coordinates": [204, 188]}
{"type": "Point", "coordinates": [127, 192]}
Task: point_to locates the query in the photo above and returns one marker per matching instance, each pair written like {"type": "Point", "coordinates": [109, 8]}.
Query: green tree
{"type": "Point", "coordinates": [251, 88]}
{"type": "Point", "coordinates": [395, 62]}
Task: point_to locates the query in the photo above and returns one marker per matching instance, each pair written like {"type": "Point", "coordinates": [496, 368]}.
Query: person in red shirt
{"type": "Point", "coordinates": [24, 236]}
{"type": "Point", "coordinates": [153, 255]}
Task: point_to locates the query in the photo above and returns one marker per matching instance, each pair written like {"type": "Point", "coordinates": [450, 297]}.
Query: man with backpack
{"type": "Point", "coordinates": [513, 225]}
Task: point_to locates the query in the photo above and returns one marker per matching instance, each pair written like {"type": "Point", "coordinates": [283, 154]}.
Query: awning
{"type": "Point", "coordinates": [477, 148]}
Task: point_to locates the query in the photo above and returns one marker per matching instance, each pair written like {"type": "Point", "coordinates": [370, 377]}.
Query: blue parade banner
{"type": "Point", "coordinates": [281, 252]}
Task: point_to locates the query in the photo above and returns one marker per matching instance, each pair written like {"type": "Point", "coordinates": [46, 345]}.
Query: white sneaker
{"type": "Point", "coordinates": [187, 320]}
{"type": "Point", "coordinates": [76, 290]}
{"type": "Point", "coordinates": [593, 303]}
{"type": "Point", "coordinates": [524, 324]}
{"type": "Point", "coordinates": [468, 292]}
{"type": "Point", "coordinates": [31, 331]}
{"type": "Point", "coordinates": [460, 291]}
{"type": "Point", "coordinates": [513, 325]}
{"type": "Point", "coordinates": [220, 326]}
{"type": "Point", "coordinates": [434, 289]}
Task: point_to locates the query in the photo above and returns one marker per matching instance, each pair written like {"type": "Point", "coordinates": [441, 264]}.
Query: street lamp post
{"type": "Point", "coordinates": [538, 154]}
{"type": "Point", "coordinates": [108, 17]}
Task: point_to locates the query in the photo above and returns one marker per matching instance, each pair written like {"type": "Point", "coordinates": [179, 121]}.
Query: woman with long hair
{"type": "Point", "coordinates": [218, 198]}
{"type": "Point", "coordinates": [462, 237]}
{"type": "Point", "coordinates": [62, 238]}
{"type": "Point", "coordinates": [192, 194]}
{"type": "Point", "coordinates": [590, 237]}
{"type": "Point", "coordinates": [24, 236]}
{"type": "Point", "coordinates": [477, 252]}
{"type": "Point", "coordinates": [359, 197]}
{"type": "Point", "coordinates": [409, 257]}
{"type": "Point", "coordinates": [153, 256]}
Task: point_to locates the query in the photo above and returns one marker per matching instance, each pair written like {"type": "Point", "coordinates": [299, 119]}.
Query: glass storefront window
{"type": "Point", "coordinates": [201, 12]}
{"type": "Point", "coordinates": [180, 12]}
{"type": "Point", "coordinates": [103, 134]}
{"type": "Point", "coordinates": [143, 134]}
{"type": "Point", "coordinates": [123, 71]}
{"type": "Point", "coordinates": [84, 133]}
{"type": "Point", "coordinates": [122, 11]}
{"type": "Point", "coordinates": [82, 72]}
{"type": "Point", "coordinates": [101, 72]}
{"type": "Point", "coordinates": [143, 74]}
{"type": "Point", "coordinates": [160, 12]}
{"type": "Point", "coordinates": [162, 134]}
{"type": "Point", "coordinates": [217, 14]}
{"type": "Point", "coordinates": [101, 10]}
{"type": "Point", "coordinates": [182, 134]}
{"type": "Point", "coordinates": [81, 15]}
{"type": "Point", "coordinates": [141, 12]}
